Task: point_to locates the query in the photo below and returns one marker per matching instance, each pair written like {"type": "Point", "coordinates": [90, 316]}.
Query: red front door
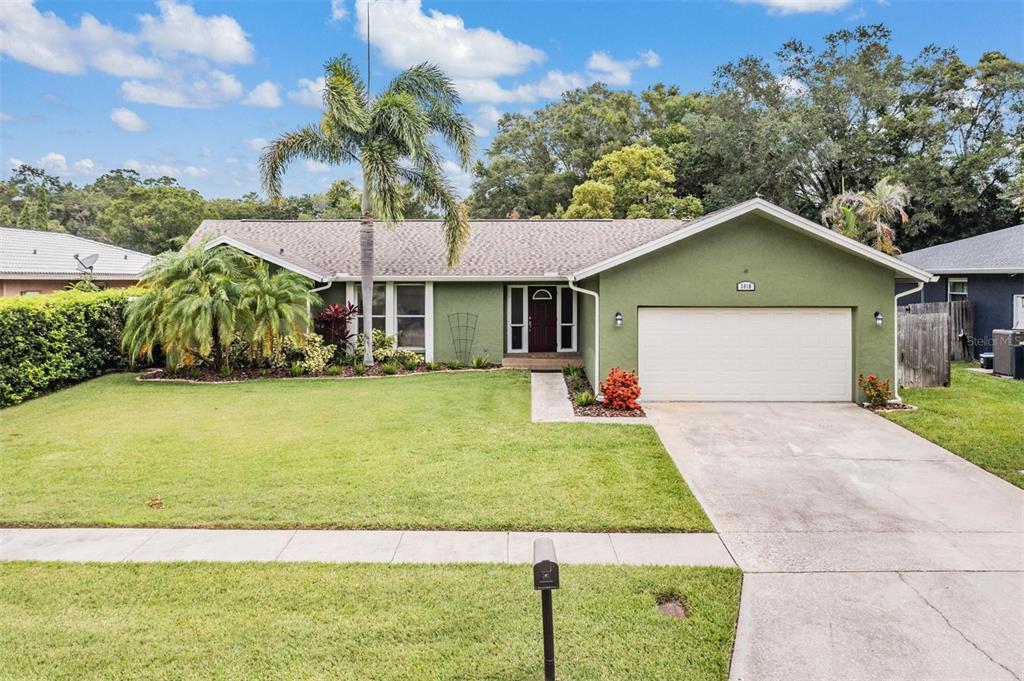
{"type": "Point", "coordinates": [543, 319]}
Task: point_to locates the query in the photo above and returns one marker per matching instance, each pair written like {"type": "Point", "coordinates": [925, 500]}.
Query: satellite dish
{"type": "Point", "coordinates": [86, 262]}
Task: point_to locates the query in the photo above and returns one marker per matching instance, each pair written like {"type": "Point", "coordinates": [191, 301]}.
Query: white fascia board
{"type": "Point", "coordinates": [377, 276]}
{"type": "Point", "coordinates": [65, 276]}
{"type": "Point", "coordinates": [771, 211]}
{"type": "Point", "coordinates": [269, 257]}
{"type": "Point", "coordinates": [978, 270]}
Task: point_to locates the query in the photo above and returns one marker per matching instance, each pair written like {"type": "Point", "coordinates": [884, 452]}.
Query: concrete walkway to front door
{"type": "Point", "coordinates": [868, 552]}
{"type": "Point", "coordinates": [355, 546]}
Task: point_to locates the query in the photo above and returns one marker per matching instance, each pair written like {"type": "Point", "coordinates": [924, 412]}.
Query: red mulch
{"type": "Point", "coordinates": [210, 376]}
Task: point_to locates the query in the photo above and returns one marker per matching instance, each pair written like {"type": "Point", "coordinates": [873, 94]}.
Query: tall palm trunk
{"type": "Point", "coordinates": [366, 273]}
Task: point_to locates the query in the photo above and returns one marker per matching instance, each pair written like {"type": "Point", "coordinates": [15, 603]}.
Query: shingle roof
{"type": "Point", "coordinates": [508, 248]}
{"type": "Point", "coordinates": [52, 254]}
{"type": "Point", "coordinates": [1002, 250]}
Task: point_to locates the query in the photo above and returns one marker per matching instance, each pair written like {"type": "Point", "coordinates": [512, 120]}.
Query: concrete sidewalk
{"type": "Point", "coordinates": [549, 403]}
{"type": "Point", "coordinates": [355, 546]}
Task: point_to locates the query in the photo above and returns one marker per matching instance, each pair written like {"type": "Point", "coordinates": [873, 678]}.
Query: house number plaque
{"type": "Point", "coordinates": [745, 286]}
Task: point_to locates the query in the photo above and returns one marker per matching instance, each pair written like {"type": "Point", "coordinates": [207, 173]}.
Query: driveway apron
{"type": "Point", "coordinates": [868, 552]}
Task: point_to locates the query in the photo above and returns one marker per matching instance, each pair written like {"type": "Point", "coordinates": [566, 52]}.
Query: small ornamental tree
{"type": "Point", "coordinates": [621, 389]}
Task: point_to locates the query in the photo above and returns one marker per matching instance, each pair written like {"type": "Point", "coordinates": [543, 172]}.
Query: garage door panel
{"type": "Point", "coordinates": [745, 354]}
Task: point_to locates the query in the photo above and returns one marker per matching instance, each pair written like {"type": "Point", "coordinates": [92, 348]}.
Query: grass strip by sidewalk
{"type": "Point", "coordinates": [979, 417]}
{"type": "Point", "coordinates": [358, 621]}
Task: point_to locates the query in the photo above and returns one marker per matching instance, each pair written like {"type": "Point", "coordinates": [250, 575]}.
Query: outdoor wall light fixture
{"type": "Point", "coordinates": [878, 318]}
{"type": "Point", "coordinates": [618, 319]}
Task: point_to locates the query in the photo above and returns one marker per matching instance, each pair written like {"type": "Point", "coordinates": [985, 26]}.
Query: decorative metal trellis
{"type": "Point", "coordinates": [463, 328]}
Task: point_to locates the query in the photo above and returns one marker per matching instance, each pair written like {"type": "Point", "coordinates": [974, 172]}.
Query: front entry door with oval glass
{"type": "Point", "coordinates": [543, 319]}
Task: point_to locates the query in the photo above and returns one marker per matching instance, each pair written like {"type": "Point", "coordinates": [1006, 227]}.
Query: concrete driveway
{"type": "Point", "coordinates": [869, 552]}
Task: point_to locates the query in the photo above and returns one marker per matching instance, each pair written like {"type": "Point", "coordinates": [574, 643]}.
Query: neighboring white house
{"type": "Point", "coordinates": [34, 262]}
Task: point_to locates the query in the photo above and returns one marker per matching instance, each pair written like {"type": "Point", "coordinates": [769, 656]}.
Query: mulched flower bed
{"type": "Point", "coordinates": [889, 407]}
{"type": "Point", "coordinates": [582, 384]}
{"type": "Point", "coordinates": [246, 374]}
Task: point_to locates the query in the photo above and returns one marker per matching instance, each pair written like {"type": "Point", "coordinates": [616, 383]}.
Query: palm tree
{"type": "Point", "coordinates": [272, 307]}
{"type": "Point", "coordinates": [390, 138]}
{"type": "Point", "coordinates": [198, 301]}
{"type": "Point", "coordinates": [868, 216]}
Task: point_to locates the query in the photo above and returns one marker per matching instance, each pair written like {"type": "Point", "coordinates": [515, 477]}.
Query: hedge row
{"type": "Point", "coordinates": [50, 341]}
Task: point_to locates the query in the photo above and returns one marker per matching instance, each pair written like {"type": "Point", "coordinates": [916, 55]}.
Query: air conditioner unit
{"type": "Point", "coordinates": [1003, 353]}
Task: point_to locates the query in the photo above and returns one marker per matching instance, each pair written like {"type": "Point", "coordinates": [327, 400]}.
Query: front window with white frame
{"type": "Point", "coordinates": [403, 310]}
{"type": "Point", "coordinates": [956, 289]}
{"type": "Point", "coordinates": [1018, 312]}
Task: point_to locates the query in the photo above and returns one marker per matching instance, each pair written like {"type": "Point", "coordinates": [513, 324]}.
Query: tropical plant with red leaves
{"type": "Point", "coordinates": [334, 322]}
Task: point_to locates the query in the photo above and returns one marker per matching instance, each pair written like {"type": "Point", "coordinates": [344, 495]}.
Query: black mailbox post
{"type": "Point", "coordinates": [545, 579]}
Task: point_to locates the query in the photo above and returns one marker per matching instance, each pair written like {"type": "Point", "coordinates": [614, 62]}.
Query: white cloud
{"type": "Point", "coordinates": [85, 166]}
{"type": "Point", "coordinates": [126, 119]}
{"type": "Point", "coordinates": [179, 30]}
{"type": "Point", "coordinates": [6, 118]}
{"type": "Point", "coordinates": [193, 171]}
{"type": "Point", "coordinates": [57, 163]}
{"type": "Point", "coordinates": [651, 59]}
{"type": "Point", "coordinates": [462, 180]}
{"type": "Point", "coordinates": [231, 159]}
{"type": "Point", "coordinates": [553, 84]}
{"type": "Point", "coordinates": [309, 92]}
{"type": "Point", "coordinates": [15, 162]}
{"type": "Point", "coordinates": [54, 162]}
{"type": "Point", "coordinates": [406, 35]}
{"type": "Point", "coordinates": [338, 10]}
{"type": "Point", "coordinates": [151, 169]}
{"type": "Point", "coordinates": [601, 66]}
{"type": "Point", "coordinates": [317, 167]}
{"type": "Point", "coordinates": [47, 42]}
{"type": "Point", "coordinates": [798, 6]}
{"type": "Point", "coordinates": [202, 91]}
{"type": "Point", "coordinates": [256, 143]}
{"type": "Point", "coordinates": [263, 95]}
{"type": "Point", "coordinates": [792, 87]}
{"type": "Point", "coordinates": [487, 115]}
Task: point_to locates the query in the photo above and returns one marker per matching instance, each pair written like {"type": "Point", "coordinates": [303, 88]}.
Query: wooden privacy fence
{"type": "Point", "coordinates": [929, 336]}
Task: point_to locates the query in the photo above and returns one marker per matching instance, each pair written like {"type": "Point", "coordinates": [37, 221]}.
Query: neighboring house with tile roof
{"type": "Point", "coordinates": [749, 302]}
{"type": "Point", "coordinates": [987, 269]}
{"type": "Point", "coordinates": [34, 262]}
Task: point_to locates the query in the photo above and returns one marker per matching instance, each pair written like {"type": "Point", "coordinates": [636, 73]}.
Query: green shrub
{"type": "Point", "coordinates": [453, 364]}
{"type": "Point", "coordinates": [333, 370]}
{"type": "Point", "coordinates": [573, 372]}
{"type": "Point", "coordinates": [383, 346]}
{"type": "Point", "coordinates": [359, 368]}
{"type": "Point", "coordinates": [316, 355]}
{"type": "Point", "coordinates": [585, 399]}
{"type": "Point", "coordinates": [433, 366]}
{"type": "Point", "coordinates": [389, 368]}
{"type": "Point", "coordinates": [479, 362]}
{"type": "Point", "coordinates": [410, 364]}
{"type": "Point", "coordinates": [297, 369]}
{"type": "Point", "coordinates": [50, 341]}
{"type": "Point", "coordinates": [224, 371]}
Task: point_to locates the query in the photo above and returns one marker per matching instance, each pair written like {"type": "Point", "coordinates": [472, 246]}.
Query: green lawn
{"type": "Point", "coordinates": [980, 418]}
{"type": "Point", "coordinates": [313, 621]}
{"type": "Point", "coordinates": [455, 451]}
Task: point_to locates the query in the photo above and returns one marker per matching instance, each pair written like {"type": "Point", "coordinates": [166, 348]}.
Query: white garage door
{"type": "Point", "coordinates": [745, 354]}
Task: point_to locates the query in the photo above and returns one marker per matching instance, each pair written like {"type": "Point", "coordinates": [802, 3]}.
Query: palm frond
{"type": "Point", "coordinates": [345, 97]}
{"type": "Point", "coordinates": [428, 84]}
{"type": "Point", "coordinates": [456, 129]}
{"type": "Point", "coordinates": [437, 191]}
{"type": "Point", "coordinates": [307, 142]}
{"type": "Point", "coordinates": [398, 118]}
{"type": "Point", "coordinates": [382, 177]}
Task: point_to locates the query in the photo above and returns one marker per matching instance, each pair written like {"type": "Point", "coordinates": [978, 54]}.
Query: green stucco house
{"type": "Point", "coordinates": [749, 303]}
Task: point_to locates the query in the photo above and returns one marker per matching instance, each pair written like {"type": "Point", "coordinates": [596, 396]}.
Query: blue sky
{"type": "Point", "coordinates": [193, 90]}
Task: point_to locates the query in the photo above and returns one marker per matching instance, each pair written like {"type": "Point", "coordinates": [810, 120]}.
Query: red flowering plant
{"type": "Point", "coordinates": [621, 389]}
{"type": "Point", "coordinates": [875, 390]}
